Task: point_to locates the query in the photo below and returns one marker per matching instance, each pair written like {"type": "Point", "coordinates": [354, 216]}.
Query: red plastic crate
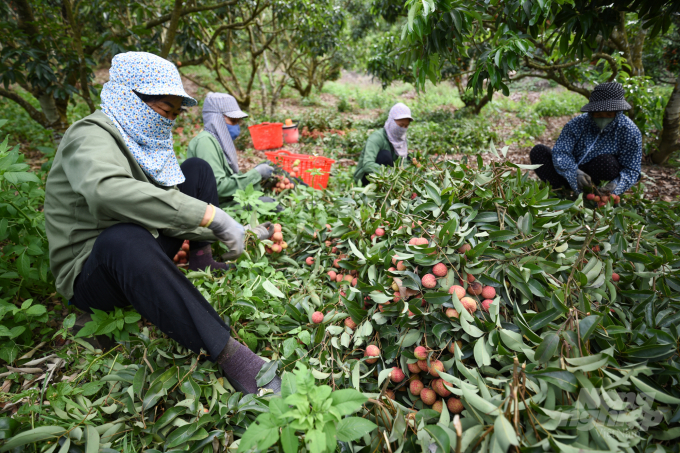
{"type": "Point", "coordinates": [285, 160]}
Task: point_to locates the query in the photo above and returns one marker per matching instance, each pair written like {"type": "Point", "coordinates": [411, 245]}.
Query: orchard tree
{"type": "Point", "coordinates": [48, 49]}
{"type": "Point", "coordinates": [551, 38]}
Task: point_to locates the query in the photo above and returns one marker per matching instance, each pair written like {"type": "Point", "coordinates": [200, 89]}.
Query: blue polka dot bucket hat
{"type": "Point", "coordinates": [147, 73]}
{"type": "Point", "coordinates": [607, 97]}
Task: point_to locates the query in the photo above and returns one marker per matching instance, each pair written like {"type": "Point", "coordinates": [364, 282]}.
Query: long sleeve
{"type": "Point", "coordinates": [369, 155]}
{"type": "Point", "coordinates": [630, 158]}
{"type": "Point", "coordinates": [563, 155]}
{"type": "Point", "coordinates": [228, 182]}
{"type": "Point", "coordinates": [102, 178]}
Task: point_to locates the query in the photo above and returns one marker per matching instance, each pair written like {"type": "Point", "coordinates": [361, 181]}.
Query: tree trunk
{"type": "Point", "coordinates": [172, 29]}
{"type": "Point", "coordinates": [670, 135]}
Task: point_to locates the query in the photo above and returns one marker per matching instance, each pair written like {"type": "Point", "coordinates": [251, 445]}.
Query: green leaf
{"type": "Point", "coordinates": [352, 428]}
{"type": "Point", "coordinates": [478, 402]}
{"type": "Point", "coordinates": [267, 373]}
{"type": "Point", "coordinates": [654, 393]}
{"type": "Point", "coordinates": [271, 289]}
{"type": "Point", "coordinates": [588, 363]}
{"type": "Point", "coordinates": [348, 401]}
{"type": "Point", "coordinates": [562, 379]}
{"type": "Point", "coordinates": [505, 433]}
{"type": "Point", "coordinates": [32, 436]}
{"type": "Point", "coordinates": [587, 326]}
{"type": "Point", "coordinates": [440, 437]}
{"type": "Point", "coordinates": [289, 441]}
{"type": "Point", "coordinates": [547, 349]}
{"type": "Point", "coordinates": [91, 440]}
{"type": "Point", "coordinates": [262, 433]}
{"type": "Point", "coordinates": [482, 356]}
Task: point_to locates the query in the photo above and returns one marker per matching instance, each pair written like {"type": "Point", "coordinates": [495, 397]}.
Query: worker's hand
{"type": "Point", "coordinates": [263, 231]}
{"type": "Point", "coordinates": [609, 187]}
{"type": "Point", "coordinates": [583, 180]}
{"type": "Point", "coordinates": [228, 231]}
{"type": "Point", "coordinates": [265, 170]}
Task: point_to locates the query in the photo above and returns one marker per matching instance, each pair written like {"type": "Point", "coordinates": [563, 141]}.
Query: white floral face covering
{"type": "Point", "coordinates": [147, 134]}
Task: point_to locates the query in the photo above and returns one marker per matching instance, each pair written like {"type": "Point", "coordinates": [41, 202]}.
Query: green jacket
{"type": "Point", "coordinates": [206, 146]}
{"type": "Point", "coordinates": [95, 182]}
{"type": "Point", "coordinates": [376, 142]}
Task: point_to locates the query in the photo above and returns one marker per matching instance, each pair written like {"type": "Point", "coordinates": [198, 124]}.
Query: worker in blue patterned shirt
{"type": "Point", "coordinates": [601, 145]}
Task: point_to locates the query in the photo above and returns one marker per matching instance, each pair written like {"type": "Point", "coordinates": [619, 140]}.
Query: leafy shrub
{"type": "Point", "coordinates": [24, 263]}
{"type": "Point", "coordinates": [560, 103]}
{"type": "Point", "coordinates": [316, 412]}
{"type": "Point", "coordinates": [19, 324]}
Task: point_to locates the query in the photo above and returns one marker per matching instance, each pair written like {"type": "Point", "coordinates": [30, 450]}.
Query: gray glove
{"type": "Point", "coordinates": [265, 170]}
{"type": "Point", "coordinates": [263, 231]}
{"type": "Point", "coordinates": [583, 180]}
{"type": "Point", "coordinates": [228, 231]}
{"type": "Point", "coordinates": [609, 187]}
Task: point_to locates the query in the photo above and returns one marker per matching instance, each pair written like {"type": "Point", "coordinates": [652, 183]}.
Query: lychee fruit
{"type": "Point", "coordinates": [334, 250]}
{"type": "Point", "coordinates": [469, 304]}
{"type": "Point", "coordinates": [372, 351]}
{"type": "Point", "coordinates": [440, 270]}
{"type": "Point", "coordinates": [436, 367]}
{"type": "Point", "coordinates": [422, 241]}
{"type": "Point", "coordinates": [277, 228]}
{"type": "Point", "coordinates": [475, 288]}
{"type": "Point", "coordinates": [459, 290]}
{"type": "Point", "coordinates": [379, 232]}
{"type": "Point", "coordinates": [276, 248]}
{"type": "Point", "coordinates": [420, 352]}
{"type": "Point", "coordinates": [616, 277]}
{"type": "Point", "coordinates": [349, 322]}
{"type": "Point", "coordinates": [486, 303]}
{"type": "Point", "coordinates": [452, 346]}
{"type": "Point", "coordinates": [416, 387]}
{"type": "Point", "coordinates": [354, 281]}
{"type": "Point", "coordinates": [422, 364]}
{"type": "Point", "coordinates": [309, 261]}
{"type": "Point", "coordinates": [488, 292]}
{"type": "Point", "coordinates": [590, 196]}
{"type": "Point", "coordinates": [438, 386]}
{"type": "Point", "coordinates": [452, 313]}
{"type": "Point", "coordinates": [438, 406]}
{"type": "Point", "coordinates": [428, 396]}
{"type": "Point", "coordinates": [339, 277]}
{"type": "Point", "coordinates": [413, 368]}
{"type": "Point", "coordinates": [396, 375]}
{"type": "Point", "coordinates": [348, 278]}
{"type": "Point", "coordinates": [412, 241]}
{"type": "Point", "coordinates": [429, 281]}
{"type": "Point", "coordinates": [454, 405]}
{"type": "Point", "coordinates": [596, 198]}
{"type": "Point", "coordinates": [332, 275]}
{"type": "Point", "coordinates": [464, 248]}
{"type": "Point", "coordinates": [469, 277]}
{"type": "Point", "coordinates": [277, 237]}
{"type": "Point", "coordinates": [317, 317]}
{"type": "Point", "coordinates": [401, 266]}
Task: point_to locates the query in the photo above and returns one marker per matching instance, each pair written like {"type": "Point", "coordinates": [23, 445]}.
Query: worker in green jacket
{"type": "Point", "coordinates": [385, 145]}
{"type": "Point", "coordinates": [215, 144]}
{"type": "Point", "coordinates": [118, 207]}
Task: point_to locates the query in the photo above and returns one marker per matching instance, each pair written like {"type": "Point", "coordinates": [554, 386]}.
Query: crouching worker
{"type": "Point", "coordinates": [601, 145]}
{"type": "Point", "coordinates": [386, 145]}
{"type": "Point", "coordinates": [222, 117]}
{"type": "Point", "coordinates": [118, 207]}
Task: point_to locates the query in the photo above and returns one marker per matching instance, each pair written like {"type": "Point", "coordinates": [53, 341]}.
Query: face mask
{"type": "Point", "coordinates": [603, 122]}
{"type": "Point", "coordinates": [234, 131]}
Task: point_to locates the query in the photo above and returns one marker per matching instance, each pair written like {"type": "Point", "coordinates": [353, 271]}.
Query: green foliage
{"type": "Point", "coordinates": [316, 412]}
{"type": "Point", "coordinates": [24, 265]}
{"type": "Point", "coordinates": [249, 198]}
{"type": "Point", "coordinates": [20, 325]}
{"type": "Point", "coordinates": [119, 324]}
{"type": "Point", "coordinates": [561, 103]}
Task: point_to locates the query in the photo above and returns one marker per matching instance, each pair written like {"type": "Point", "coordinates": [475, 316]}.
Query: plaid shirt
{"type": "Point", "coordinates": [581, 141]}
